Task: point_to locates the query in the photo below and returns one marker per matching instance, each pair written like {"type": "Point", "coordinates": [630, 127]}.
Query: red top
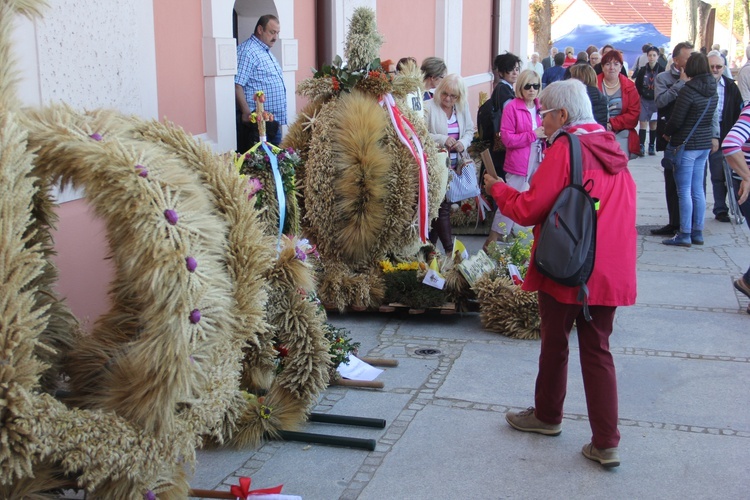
{"type": "Point", "coordinates": [613, 280]}
{"type": "Point", "coordinates": [569, 61]}
{"type": "Point", "coordinates": [631, 104]}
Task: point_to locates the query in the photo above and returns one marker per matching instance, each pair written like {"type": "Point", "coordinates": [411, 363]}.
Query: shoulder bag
{"type": "Point", "coordinates": [670, 162]}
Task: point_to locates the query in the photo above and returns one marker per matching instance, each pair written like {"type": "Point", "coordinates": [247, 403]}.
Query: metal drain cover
{"type": "Point", "coordinates": [427, 352]}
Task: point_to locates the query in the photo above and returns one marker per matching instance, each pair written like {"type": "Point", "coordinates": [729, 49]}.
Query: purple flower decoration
{"type": "Point", "coordinates": [301, 255]}
{"type": "Point", "coordinates": [142, 171]}
{"type": "Point", "coordinates": [171, 216]}
{"type": "Point", "coordinates": [253, 186]}
{"type": "Point", "coordinates": [149, 495]}
{"type": "Point", "coordinates": [195, 316]}
{"type": "Point", "coordinates": [96, 136]}
{"type": "Point", "coordinates": [191, 263]}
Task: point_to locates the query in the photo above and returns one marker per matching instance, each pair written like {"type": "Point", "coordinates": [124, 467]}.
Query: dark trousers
{"type": "Point", "coordinates": [441, 228]}
{"type": "Point", "coordinates": [670, 189]}
{"type": "Point", "coordinates": [597, 366]}
{"type": "Point", "coordinates": [718, 182]}
{"type": "Point", "coordinates": [745, 207]}
{"type": "Point", "coordinates": [247, 133]}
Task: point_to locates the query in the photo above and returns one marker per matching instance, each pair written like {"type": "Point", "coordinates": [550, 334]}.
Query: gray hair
{"type": "Point", "coordinates": [433, 67]}
{"type": "Point", "coordinates": [571, 95]}
{"type": "Point", "coordinates": [714, 53]}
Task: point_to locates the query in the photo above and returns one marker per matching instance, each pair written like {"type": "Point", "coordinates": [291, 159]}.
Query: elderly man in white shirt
{"type": "Point", "coordinates": [535, 64]}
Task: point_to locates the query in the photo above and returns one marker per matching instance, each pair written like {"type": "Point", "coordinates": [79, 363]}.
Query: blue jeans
{"type": "Point", "coordinates": [691, 164]}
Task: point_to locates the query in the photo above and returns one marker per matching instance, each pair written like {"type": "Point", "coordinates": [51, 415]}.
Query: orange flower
{"type": "Point", "coordinates": [335, 82]}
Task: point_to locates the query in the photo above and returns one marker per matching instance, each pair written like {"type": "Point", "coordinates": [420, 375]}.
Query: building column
{"type": "Point", "coordinates": [449, 15]}
{"type": "Point", "coordinates": [219, 68]}
{"type": "Point", "coordinates": [513, 35]}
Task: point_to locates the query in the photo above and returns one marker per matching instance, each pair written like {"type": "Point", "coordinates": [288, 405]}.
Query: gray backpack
{"type": "Point", "coordinates": [567, 241]}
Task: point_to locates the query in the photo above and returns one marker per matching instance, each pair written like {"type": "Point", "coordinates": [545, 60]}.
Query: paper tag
{"type": "Point", "coordinates": [356, 369]}
{"type": "Point", "coordinates": [434, 279]}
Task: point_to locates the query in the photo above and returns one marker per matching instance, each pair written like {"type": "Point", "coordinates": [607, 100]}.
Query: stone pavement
{"type": "Point", "coordinates": [683, 362]}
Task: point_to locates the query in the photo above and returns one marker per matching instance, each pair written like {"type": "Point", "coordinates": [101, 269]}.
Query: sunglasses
{"type": "Point", "coordinates": [717, 66]}
{"type": "Point", "coordinates": [530, 86]}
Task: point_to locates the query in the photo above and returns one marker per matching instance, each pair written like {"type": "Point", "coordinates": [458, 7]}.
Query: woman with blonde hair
{"type": "Point", "coordinates": [523, 136]}
{"type": "Point", "coordinates": [570, 57]}
{"type": "Point", "coordinates": [450, 125]}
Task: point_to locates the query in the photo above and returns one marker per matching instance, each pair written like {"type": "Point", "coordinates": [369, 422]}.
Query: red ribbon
{"type": "Point", "coordinates": [243, 490]}
{"type": "Point", "coordinates": [399, 121]}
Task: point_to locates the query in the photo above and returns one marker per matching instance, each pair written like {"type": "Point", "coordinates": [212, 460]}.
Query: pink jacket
{"type": "Point", "coordinates": [613, 282]}
{"type": "Point", "coordinates": [517, 135]}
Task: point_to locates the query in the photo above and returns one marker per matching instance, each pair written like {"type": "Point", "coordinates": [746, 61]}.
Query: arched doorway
{"type": "Point", "coordinates": [220, 37]}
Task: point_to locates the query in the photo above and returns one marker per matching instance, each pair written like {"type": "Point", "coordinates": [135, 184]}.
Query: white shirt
{"type": "Point", "coordinates": [536, 67]}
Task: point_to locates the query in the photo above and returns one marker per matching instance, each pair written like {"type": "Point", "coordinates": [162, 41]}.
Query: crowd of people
{"type": "Point", "coordinates": [687, 106]}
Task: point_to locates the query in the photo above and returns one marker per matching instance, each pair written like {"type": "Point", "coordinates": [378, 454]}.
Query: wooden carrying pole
{"type": "Point", "coordinates": [369, 384]}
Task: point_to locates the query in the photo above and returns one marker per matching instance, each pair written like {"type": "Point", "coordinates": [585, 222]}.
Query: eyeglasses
{"type": "Point", "coordinates": [451, 96]}
{"type": "Point", "coordinates": [545, 111]}
{"type": "Point", "coordinates": [530, 86]}
{"type": "Point", "coordinates": [717, 66]}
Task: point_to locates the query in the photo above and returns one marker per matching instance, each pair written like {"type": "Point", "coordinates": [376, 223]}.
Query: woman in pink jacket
{"type": "Point", "coordinates": [522, 133]}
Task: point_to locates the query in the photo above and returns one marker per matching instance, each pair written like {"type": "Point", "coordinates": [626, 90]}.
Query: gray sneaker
{"type": "Point", "coordinates": [608, 457]}
{"type": "Point", "coordinates": [526, 421]}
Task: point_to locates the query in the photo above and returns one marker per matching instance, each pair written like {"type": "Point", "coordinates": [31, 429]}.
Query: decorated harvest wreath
{"type": "Point", "coordinates": [199, 299]}
{"type": "Point", "coordinates": [371, 182]}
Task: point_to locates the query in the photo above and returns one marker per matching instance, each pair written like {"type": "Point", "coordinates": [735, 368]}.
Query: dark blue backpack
{"type": "Point", "coordinates": [566, 247]}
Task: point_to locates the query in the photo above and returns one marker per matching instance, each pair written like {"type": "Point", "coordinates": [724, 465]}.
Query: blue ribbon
{"type": "Point", "coordinates": [279, 187]}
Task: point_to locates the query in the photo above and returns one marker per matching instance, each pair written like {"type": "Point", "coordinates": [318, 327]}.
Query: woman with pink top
{"type": "Point", "coordinates": [522, 133]}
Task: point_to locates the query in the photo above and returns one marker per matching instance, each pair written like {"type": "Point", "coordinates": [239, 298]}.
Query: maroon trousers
{"type": "Point", "coordinates": [597, 366]}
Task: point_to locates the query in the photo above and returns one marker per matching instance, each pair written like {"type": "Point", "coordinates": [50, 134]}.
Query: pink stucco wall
{"type": "Point", "coordinates": [476, 47]}
{"type": "Point", "coordinates": [179, 63]}
{"type": "Point", "coordinates": [476, 43]}
{"type": "Point", "coordinates": [85, 271]}
{"type": "Point", "coordinates": [305, 33]}
{"type": "Point", "coordinates": [409, 29]}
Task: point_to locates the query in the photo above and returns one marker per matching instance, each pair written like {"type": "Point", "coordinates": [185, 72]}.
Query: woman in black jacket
{"type": "Point", "coordinates": [690, 129]}
{"type": "Point", "coordinates": [645, 82]}
{"type": "Point", "coordinates": [587, 75]}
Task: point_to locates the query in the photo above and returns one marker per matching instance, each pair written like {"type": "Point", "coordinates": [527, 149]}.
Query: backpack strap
{"type": "Point", "coordinates": [576, 164]}
{"type": "Point", "coordinates": [576, 177]}
{"type": "Point", "coordinates": [583, 297]}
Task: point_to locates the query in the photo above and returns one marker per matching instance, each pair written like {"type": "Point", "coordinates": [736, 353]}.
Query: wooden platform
{"type": "Point", "coordinates": [447, 308]}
